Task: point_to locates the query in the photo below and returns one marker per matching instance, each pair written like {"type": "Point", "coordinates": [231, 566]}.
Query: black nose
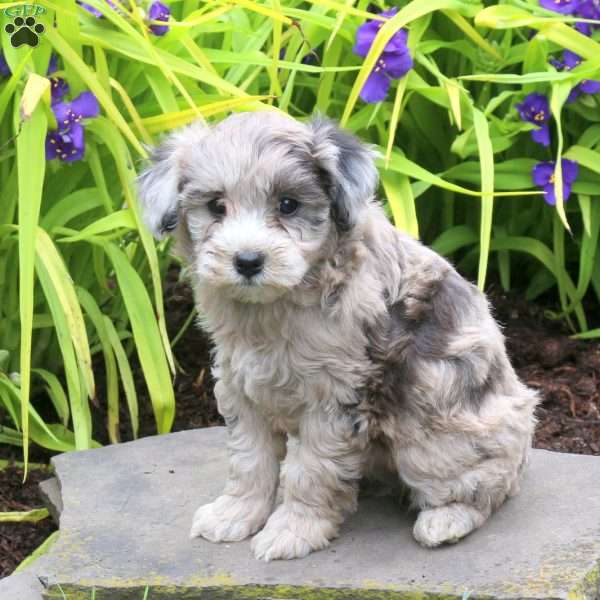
{"type": "Point", "coordinates": [249, 263]}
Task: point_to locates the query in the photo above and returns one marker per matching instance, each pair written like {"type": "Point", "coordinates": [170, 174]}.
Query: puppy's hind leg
{"type": "Point", "coordinates": [455, 505]}
{"type": "Point", "coordinates": [447, 524]}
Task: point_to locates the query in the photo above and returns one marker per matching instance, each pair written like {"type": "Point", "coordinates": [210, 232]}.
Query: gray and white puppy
{"type": "Point", "coordinates": [362, 349]}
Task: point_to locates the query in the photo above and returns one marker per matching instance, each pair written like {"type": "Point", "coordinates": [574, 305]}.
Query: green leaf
{"type": "Point", "coordinates": [126, 374]}
{"type": "Point", "coordinates": [47, 436]}
{"type": "Point", "coordinates": [56, 394]}
{"type": "Point", "coordinates": [101, 127]}
{"type": "Point", "coordinates": [112, 384]}
{"type": "Point", "coordinates": [560, 93]}
{"type": "Point", "coordinates": [28, 516]}
{"type": "Point", "coordinates": [147, 338]}
{"type": "Point", "coordinates": [70, 207]}
{"type": "Point", "coordinates": [588, 335]}
{"type": "Point", "coordinates": [31, 165]}
{"type": "Point", "coordinates": [53, 264]}
{"type": "Point", "coordinates": [401, 200]}
{"type": "Point", "coordinates": [486, 157]}
{"type": "Point", "coordinates": [121, 219]}
{"type": "Point", "coordinates": [65, 319]}
{"type": "Point", "coordinates": [453, 239]}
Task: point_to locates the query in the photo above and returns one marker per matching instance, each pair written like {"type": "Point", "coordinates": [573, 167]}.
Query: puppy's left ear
{"type": "Point", "coordinates": [348, 169]}
{"type": "Point", "coordinates": [159, 185]}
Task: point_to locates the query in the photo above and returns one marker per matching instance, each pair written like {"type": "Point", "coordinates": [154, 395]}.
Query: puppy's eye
{"type": "Point", "coordinates": [288, 206]}
{"type": "Point", "coordinates": [216, 207]}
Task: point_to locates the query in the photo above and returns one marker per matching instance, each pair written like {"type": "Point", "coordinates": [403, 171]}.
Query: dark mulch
{"type": "Point", "coordinates": [196, 406]}
{"type": "Point", "coordinates": [566, 372]}
{"type": "Point", "coordinates": [19, 540]}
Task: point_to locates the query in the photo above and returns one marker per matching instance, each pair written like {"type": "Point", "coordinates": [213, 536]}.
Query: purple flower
{"type": "Point", "coordinates": [564, 7]}
{"type": "Point", "coordinates": [91, 9]}
{"type": "Point", "coordinates": [4, 68]}
{"type": "Point", "coordinates": [83, 107]}
{"type": "Point", "coordinates": [570, 61]}
{"type": "Point", "coordinates": [95, 11]}
{"type": "Point", "coordinates": [67, 141]}
{"type": "Point", "coordinates": [367, 32]}
{"type": "Point", "coordinates": [52, 64]}
{"type": "Point", "coordinates": [542, 175]}
{"type": "Point", "coordinates": [68, 145]}
{"type": "Point", "coordinates": [159, 12]}
{"type": "Point", "coordinates": [312, 58]}
{"type": "Point", "coordinates": [587, 9]}
{"type": "Point", "coordinates": [393, 63]}
{"type": "Point", "coordinates": [590, 86]}
{"type": "Point", "coordinates": [58, 88]}
{"type": "Point", "coordinates": [536, 109]}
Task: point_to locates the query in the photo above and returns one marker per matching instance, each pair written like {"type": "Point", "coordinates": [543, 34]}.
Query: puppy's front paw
{"type": "Point", "coordinates": [229, 519]}
{"type": "Point", "coordinates": [287, 535]}
{"type": "Point", "coordinates": [446, 524]}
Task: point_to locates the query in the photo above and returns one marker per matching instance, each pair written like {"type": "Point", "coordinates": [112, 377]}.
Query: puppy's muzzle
{"type": "Point", "coordinates": [249, 263]}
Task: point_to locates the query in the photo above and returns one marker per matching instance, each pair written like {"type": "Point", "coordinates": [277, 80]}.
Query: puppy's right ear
{"type": "Point", "coordinates": [160, 184]}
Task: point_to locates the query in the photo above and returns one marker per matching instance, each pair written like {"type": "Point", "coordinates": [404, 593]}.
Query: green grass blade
{"type": "Point", "coordinates": [31, 163]}
{"type": "Point", "coordinates": [75, 386]}
{"type": "Point", "coordinates": [560, 93]}
{"type": "Point", "coordinates": [50, 258]}
{"type": "Point", "coordinates": [147, 338]}
{"type": "Point", "coordinates": [486, 158]}
{"type": "Point", "coordinates": [402, 203]}
{"type": "Point", "coordinates": [126, 374]}
{"type": "Point", "coordinates": [101, 127]}
{"type": "Point", "coordinates": [121, 219]}
{"type": "Point", "coordinates": [588, 335]}
{"type": "Point", "coordinates": [70, 207]}
{"type": "Point", "coordinates": [47, 436]}
{"type": "Point", "coordinates": [472, 33]}
{"type": "Point", "coordinates": [56, 394]}
{"type": "Point", "coordinates": [453, 239]}
{"type": "Point", "coordinates": [112, 384]}
{"type": "Point", "coordinates": [28, 516]}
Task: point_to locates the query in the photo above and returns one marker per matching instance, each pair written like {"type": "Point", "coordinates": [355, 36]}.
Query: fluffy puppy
{"type": "Point", "coordinates": [362, 349]}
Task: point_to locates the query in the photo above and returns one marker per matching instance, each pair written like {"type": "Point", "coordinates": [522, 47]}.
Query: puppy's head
{"type": "Point", "coordinates": [255, 200]}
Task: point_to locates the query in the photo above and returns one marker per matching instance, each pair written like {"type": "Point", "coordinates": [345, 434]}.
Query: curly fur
{"type": "Point", "coordinates": [355, 351]}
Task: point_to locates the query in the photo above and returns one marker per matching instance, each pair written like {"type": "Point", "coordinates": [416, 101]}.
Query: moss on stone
{"type": "Point", "coordinates": [589, 588]}
{"type": "Point", "coordinates": [246, 592]}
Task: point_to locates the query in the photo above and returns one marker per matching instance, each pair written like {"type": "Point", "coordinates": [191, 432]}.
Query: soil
{"type": "Point", "coordinates": [19, 540]}
{"type": "Point", "coordinates": [566, 373]}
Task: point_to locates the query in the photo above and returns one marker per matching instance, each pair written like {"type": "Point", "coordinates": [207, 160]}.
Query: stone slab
{"type": "Point", "coordinates": [128, 508]}
{"type": "Point", "coordinates": [52, 496]}
{"type": "Point", "coordinates": [21, 586]}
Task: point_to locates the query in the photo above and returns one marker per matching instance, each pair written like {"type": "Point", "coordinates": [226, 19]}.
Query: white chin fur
{"type": "Point", "coordinates": [255, 293]}
{"type": "Point", "coordinates": [251, 293]}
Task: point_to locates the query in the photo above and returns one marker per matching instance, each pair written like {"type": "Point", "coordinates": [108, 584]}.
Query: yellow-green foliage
{"type": "Point", "coordinates": [79, 274]}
